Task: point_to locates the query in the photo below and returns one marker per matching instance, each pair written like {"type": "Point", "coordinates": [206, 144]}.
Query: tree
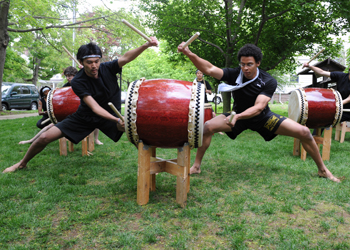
{"type": "Point", "coordinates": [282, 29]}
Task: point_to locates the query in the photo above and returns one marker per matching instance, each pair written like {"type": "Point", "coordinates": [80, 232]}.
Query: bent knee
{"type": "Point", "coordinates": [305, 133]}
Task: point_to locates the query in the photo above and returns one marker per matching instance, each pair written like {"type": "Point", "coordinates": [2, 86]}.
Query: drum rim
{"type": "Point", "coordinates": [196, 116]}
{"type": "Point", "coordinates": [49, 106]}
{"type": "Point", "coordinates": [339, 108]}
{"type": "Point", "coordinates": [130, 117]}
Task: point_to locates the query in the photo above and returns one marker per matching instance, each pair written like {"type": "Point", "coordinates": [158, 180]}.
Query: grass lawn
{"type": "Point", "coordinates": [251, 194]}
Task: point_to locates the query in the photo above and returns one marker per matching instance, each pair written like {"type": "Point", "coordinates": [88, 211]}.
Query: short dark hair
{"type": "Point", "coordinates": [198, 70]}
{"type": "Point", "coordinates": [87, 50]}
{"type": "Point", "coordinates": [70, 71]}
{"type": "Point", "coordinates": [250, 50]}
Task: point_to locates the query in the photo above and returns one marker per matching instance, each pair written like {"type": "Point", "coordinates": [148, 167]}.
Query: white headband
{"type": "Point", "coordinates": [91, 56]}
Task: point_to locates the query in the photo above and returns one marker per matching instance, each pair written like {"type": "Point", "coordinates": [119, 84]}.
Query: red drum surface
{"type": "Point", "coordinates": [161, 113]}
{"type": "Point", "coordinates": [61, 102]}
{"type": "Point", "coordinates": [315, 107]}
{"type": "Point", "coordinates": [207, 112]}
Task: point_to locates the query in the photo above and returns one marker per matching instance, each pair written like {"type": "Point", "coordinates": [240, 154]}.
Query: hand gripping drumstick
{"type": "Point", "coordinates": [315, 56]}
{"type": "Point", "coordinates": [45, 121]}
{"type": "Point", "coordinates": [232, 115]}
{"type": "Point", "coordinates": [136, 30]}
{"type": "Point", "coordinates": [191, 40]}
{"type": "Point", "coordinates": [79, 65]}
{"type": "Point", "coordinates": [116, 111]}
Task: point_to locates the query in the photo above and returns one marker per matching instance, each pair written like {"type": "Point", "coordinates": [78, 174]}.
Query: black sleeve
{"type": "Point", "coordinates": [230, 75]}
{"type": "Point", "coordinates": [208, 85]}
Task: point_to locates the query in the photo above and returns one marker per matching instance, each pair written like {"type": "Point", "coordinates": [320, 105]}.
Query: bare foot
{"type": "Point", "coordinates": [195, 169]}
{"type": "Point", "coordinates": [221, 133]}
{"type": "Point", "coordinates": [327, 174]}
{"type": "Point", "coordinates": [13, 168]}
{"type": "Point", "coordinates": [98, 142]}
{"type": "Point", "coordinates": [24, 142]}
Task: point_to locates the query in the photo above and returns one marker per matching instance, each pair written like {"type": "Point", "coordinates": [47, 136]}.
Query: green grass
{"type": "Point", "coordinates": [251, 194]}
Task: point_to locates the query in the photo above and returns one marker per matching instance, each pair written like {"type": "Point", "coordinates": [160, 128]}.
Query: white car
{"type": "Point", "coordinates": [214, 98]}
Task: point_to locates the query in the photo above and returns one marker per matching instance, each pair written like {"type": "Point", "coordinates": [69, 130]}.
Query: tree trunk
{"type": "Point", "coordinates": [36, 70]}
{"type": "Point", "coordinates": [226, 96]}
{"type": "Point", "coordinates": [4, 37]}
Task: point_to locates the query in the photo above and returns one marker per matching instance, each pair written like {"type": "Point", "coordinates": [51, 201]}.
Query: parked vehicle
{"type": "Point", "coordinates": [19, 96]}
{"type": "Point", "coordinates": [214, 98]}
{"type": "Point", "coordinates": [123, 96]}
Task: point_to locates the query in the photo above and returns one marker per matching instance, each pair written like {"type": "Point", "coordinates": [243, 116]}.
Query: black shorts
{"type": "Point", "coordinates": [265, 124]}
{"type": "Point", "coordinates": [76, 127]}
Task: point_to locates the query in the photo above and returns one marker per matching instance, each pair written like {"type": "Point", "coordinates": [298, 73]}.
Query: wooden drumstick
{"type": "Point", "coordinates": [45, 121]}
{"type": "Point", "coordinates": [79, 65]}
{"type": "Point", "coordinates": [232, 115]}
{"type": "Point", "coordinates": [191, 40]}
{"type": "Point", "coordinates": [346, 110]}
{"type": "Point", "coordinates": [116, 111]}
{"type": "Point", "coordinates": [136, 30]}
{"type": "Point", "coordinates": [315, 56]}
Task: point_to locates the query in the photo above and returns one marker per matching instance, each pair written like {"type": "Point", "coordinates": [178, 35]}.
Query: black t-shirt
{"type": "Point", "coordinates": [245, 97]}
{"type": "Point", "coordinates": [343, 85]}
{"type": "Point", "coordinates": [207, 84]}
{"type": "Point", "coordinates": [66, 85]}
{"type": "Point", "coordinates": [104, 89]}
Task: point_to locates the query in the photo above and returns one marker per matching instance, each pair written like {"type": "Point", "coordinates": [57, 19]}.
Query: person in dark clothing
{"type": "Point", "coordinates": [252, 89]}
{"type": "Point", "coordinates": [96, 85]}
{"type": "Point", "coordinates": [69, 73]}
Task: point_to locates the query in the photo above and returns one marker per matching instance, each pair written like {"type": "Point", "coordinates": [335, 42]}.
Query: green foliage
{"type": "Point", "coordinates": [15, 69]}
{"type": "Point", "coordinates": [282, 29]}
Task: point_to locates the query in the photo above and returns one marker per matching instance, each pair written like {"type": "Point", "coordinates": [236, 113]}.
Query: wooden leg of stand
{"type": "Point", "coordinates": [153, 176]}
{"type": "Point", "coordinates": [343, 130]}
{"type": "Point", "coordinates": [84, 147]}
{"type": "Point", "coordinates": [327, 140]}
{"type": "Point", "coordinates": [303, 153]}
{"type": "Point", "coordinates": [337, 132]}
{"type": "Point", "coordinates": [63, 146]}
{"type": "Point", "coordinates": [70, 146]}
{"type": "Point", "coordinates": [183, 160]}
{"type": "Point", "coordinates": [296, 147]}
{"type": "Point", "coordinates": [143, 173]}
{"type": "Point", "coordinates": [91, 142]}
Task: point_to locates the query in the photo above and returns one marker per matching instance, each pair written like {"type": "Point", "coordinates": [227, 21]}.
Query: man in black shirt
{"type": "Point", "coordinates": [343, 86]}
{"type": "Point", "coordinates": [252, 89]}
{"type": "Point", "coordinates": [96, 85]}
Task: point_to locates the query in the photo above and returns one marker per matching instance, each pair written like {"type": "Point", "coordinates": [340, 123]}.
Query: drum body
{"type": "Point", "coordinates": [165, 113]}
{"type": "Point", "coordinates": [207, 112]}
{"type": "Point", "coordinates": [61, 102]}
{"type": "Point", "coordinates": [315, 107]}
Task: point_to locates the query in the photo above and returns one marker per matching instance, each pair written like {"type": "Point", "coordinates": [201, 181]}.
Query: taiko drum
{"type": "Point", "coordinates": [165, 113]}
{"type": "Point", "coordinates": [315, 107]}
{"type": "Point", "coordinates": [207, 112]}
{"type": "Point", "coordinates": [61, 102]}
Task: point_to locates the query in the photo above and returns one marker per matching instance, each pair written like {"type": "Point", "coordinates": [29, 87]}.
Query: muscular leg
{"type": "Point", "coordinates": [37, 135]}
{"type": "Point", "coordinates": [212, 126]}
{"type": "Point", "coordinates": [97, 141]}
{"type": "Point", "coordinates": [39, 144]}
{"type": "Point", "coordinates": [290, 128]}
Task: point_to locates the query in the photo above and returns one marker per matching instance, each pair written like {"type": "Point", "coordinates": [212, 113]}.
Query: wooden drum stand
{"type": "Point", "coordinates": [149, 165]}
{"type": "Point", "coordinates": [87, 145]}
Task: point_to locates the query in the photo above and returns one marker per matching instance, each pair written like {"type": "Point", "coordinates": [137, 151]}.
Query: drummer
{"type": "Point", "coordinates": [69, 73]}
{"type": "Point", "coordinates": [343, 86]}
{"type": "Point", "coordinates": [96, 85]}
{"type": "Point", "coordinates": [252, 89]}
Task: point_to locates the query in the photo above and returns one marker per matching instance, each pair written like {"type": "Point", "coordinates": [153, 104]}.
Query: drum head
{"type": "Point", "coordinates": [297, 107]}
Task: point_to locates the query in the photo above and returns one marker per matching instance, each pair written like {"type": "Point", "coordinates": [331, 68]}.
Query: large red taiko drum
{"type": "Point", "coordinates": [208, 111]}
{"type": "Point", "coordinates": [61, 102]}
{"type": "Point", "coordinates": [315, 107]}
{"type": "Point", "coordinates": [165, 113]}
